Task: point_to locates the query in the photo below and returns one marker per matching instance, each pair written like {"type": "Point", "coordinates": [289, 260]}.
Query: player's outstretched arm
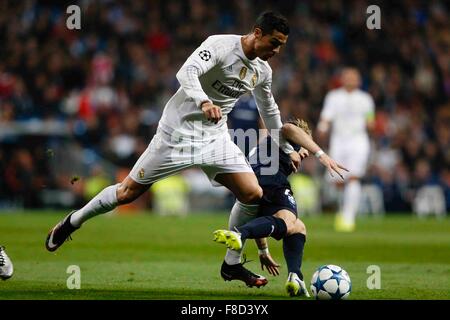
{"type": "Point", "coordinates": [298, 136]}
{"type": "Point", "coordinates": [265, 258]}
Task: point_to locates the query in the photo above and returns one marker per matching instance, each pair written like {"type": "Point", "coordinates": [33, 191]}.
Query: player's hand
{"type": "Point", "coordinates": [295, 160]}
{"type": "Point", "coordinates": [270, 264]}
{"type": "Point", "coordinates": [212, 112]}
{"type": "Point", "coordinates": [332, 165]}
{"type": "Point", "coordinates": [303, 153]}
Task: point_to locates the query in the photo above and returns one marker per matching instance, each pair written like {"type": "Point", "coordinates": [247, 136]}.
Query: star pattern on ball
{"type": "Point", "coordinates": [331, 282]}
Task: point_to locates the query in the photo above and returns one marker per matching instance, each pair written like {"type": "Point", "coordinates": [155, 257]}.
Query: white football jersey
{"type": "Point", "coordinates": [218, 71]}
{"type": "Point", "coordinates": [348, 113]}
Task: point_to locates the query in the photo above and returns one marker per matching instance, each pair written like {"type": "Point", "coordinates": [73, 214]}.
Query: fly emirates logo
{"type": "Point", "coordinates": [228, 91]}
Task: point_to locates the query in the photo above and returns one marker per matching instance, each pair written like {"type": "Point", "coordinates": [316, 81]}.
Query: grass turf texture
{"type": "Point", "coordinates": [150, 257]}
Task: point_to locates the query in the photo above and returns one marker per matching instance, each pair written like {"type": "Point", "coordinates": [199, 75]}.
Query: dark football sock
{"type": "Point", "coordinates": [263, 227]}
{"type": "Point", "coordinates": [293, 252]}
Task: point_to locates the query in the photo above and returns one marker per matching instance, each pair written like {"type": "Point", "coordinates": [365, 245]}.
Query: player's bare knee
{"type": "Point", "coordinates": [290, 226]}
{"type": "Point", "coordinates": [123, 194]}
{"type": "Point", "coordinates": [299, 227]}
{"type": "Point", "coordinates": [289, 219]}
{"type": "Point", "coordinates": [126, 193]}
{"type": "Point", "coordinates": [129, 190]}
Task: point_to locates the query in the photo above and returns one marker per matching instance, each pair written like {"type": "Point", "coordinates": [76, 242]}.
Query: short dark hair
{"type": "Point", "coordinates": [269, 21]}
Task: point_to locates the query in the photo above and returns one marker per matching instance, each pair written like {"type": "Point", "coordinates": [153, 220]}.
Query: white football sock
{"type": "Point", "coordinates": [240, 214]}
{"type": "Point", "coordinates": [103, 202]}
{"type": "Point", "coordinates": [352, 194]}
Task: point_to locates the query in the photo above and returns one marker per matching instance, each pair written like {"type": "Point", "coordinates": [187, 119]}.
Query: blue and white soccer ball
{"type": "Point", "coordinates": [331, 282]}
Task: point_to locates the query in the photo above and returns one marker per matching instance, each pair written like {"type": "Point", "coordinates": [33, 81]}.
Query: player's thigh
{"type": "Point", "coordinates": [244, 185]}
{"type": "Point", "coordinates": [225, 163]}
{"type": "Point", "coordinates": [161, 159]}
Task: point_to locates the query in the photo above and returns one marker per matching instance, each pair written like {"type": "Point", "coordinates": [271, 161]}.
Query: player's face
{"type": "Point", "coordinates": [351, 79]}
{"type": "Point", "coordinates": [268, 45]}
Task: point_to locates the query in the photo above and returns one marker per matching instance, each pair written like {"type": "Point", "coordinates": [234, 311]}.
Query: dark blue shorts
{"type": "Point", "coordinates": [276, 199]}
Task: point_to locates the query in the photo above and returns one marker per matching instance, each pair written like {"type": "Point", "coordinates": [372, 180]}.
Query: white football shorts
{"type": "Point", "coordinates": [168, 154]}
{"type": "Point", "coordinates": [351, 155]}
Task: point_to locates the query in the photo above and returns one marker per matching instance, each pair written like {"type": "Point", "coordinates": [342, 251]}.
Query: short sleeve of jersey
{"type": "Point", "coordinates": [328, 109]}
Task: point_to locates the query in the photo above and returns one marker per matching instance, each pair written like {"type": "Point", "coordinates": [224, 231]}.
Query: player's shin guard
{"type": "Point", "coordinates": [293, 252]}
{"type": "Point", "coordinates": [103, 202]}
{"type": "Point", "coordinates": [263, 227]}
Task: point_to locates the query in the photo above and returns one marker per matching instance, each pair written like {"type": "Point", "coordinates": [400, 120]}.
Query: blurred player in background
{"type": "Point", "coordinates": [277, 214]}
{"type": "Point", "coordinates": [348, 112]}
{"type": "Point", "coordinates": [6, 266]}
{"type": "Point", "coordinates": [193, 129]}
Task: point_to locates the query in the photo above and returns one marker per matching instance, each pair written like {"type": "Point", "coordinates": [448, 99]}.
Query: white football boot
{"type": "Point", "coordinates": [6, 266]}
{"type": "Point", "coordinates": [295, 286]}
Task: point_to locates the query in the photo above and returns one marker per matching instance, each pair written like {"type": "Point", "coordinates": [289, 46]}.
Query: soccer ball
{"type": "Point", "coordinates": [331, 282]}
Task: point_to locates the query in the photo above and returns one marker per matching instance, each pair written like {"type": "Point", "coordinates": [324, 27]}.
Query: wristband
{"type": "Point", "coordinates": [263, 251]}
{"type": "Point", "coordinates": [319, 153]}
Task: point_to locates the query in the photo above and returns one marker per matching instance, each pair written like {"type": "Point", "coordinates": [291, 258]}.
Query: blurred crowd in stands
{"type": "Point", "coordinates": [109, 81]}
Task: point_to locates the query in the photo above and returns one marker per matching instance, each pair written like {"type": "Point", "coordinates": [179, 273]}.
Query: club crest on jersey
{"type": "Point", "coordinates": [254, 79]}
{"type": "Point", "coordinates": [141, 173]}
{"type": "Point", "coordinates": [290, 197]}
{"type": "Point", "coordinates": [243, 73]}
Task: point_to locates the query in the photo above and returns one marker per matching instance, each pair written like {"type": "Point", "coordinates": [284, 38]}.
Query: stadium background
{"type": "Point", "coordinates": [76, 104]}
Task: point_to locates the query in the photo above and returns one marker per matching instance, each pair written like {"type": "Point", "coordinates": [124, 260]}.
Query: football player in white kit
{"type": "Point", "coordinates": [349, 113]}
{"type": "Point", "coordinates": [193, 129]}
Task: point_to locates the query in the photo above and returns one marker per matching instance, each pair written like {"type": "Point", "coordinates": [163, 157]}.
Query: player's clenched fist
{"type": "Point", "coordinates": [212, 112]}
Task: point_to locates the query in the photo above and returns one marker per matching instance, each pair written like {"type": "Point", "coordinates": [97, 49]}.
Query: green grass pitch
{"type": "Point", "coordinates": [151, 257]}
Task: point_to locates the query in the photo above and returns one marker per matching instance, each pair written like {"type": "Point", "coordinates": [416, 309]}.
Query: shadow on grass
{"type": "Point", "coordinates": [154, 294]}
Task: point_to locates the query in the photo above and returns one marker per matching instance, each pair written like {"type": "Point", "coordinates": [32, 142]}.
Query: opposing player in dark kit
{"type": "Point", "coordinates": [276, 215]}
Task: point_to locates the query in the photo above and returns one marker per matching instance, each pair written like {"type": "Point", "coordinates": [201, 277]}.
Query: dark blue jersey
{"type": "Point", "coordinates": [245, 114]}
{"type": "Point", "coordinates": [269, 155]}
{"type": "Point", "coordinates": [272, 167]}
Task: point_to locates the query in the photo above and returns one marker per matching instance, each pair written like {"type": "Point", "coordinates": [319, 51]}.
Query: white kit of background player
{"type": "Point", "coordinates": [349, 113]}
